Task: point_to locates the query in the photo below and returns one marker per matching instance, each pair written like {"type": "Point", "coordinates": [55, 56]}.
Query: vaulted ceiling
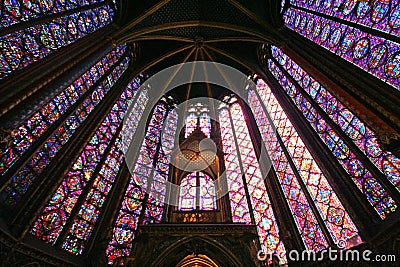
{"type": "Point", "coordinates": [169, 32]}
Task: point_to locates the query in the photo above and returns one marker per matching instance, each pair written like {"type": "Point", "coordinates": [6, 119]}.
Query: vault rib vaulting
{"type": "Point", "coordinates": [299, 150]}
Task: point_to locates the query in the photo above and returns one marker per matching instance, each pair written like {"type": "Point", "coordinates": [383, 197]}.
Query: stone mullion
{"type": "Point", "coordinates": [371, 99]}
{"type": "Point", "coordinates": [287, 226]}
{"type": "Point", "coordinates": [352, 198]}
{"type": "Point", "coordinates": [32, 80]}
{"type": "Point", "coordinates": [348, 141]}
{"type": "Point", "coordinates": [60, 165]}
{"type": "Point", "coordinates": [24, 159]}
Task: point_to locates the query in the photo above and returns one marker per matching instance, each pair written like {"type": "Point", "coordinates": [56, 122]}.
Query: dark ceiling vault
{"type": "Point", "coordinates": [176, 31]}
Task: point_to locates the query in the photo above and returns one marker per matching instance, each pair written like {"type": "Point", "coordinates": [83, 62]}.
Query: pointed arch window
{"type": "Point", "coordinates": [197, 192]}
{"type": "Point", "coordinates": [69, 218]}
{"type": "Point", "coordinates": [147, 187]}
{"type": "Point", "coordinates": [199, 112]}
{"type": "Point", "coordinates": [339, 26]}
{"type": "Point", "coordinates": [250, 202]}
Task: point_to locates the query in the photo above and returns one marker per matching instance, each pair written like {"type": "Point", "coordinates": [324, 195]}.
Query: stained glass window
{"type": "Point", "coordinates": [381, 15]}
{"type": "Point", "coordinates": [25, 46]}
{"type": "Point", "coordinates": [198, 112]}
{"type": "Point", "coordinates": [155, 203]}
{"type": "Point", "coordinates": [79, 110]}
{"type": "Point", "coordinates": [311, 98]}
{"type": "Point", "coordinates": [17, 11]}
{"type": "Point", "coordinates": [369, 51]}
{"type": "Point", "coordinates": [197, 191]}
{"type": "Point", "coordinates": [243, 174]}
{"type": "Point", "coordinates": [39, 122]}
{"type": "Point", "coordinates": [300, 173]}
{"type": "Point", "coordinates": [146, 189]}
{"type": "Point", "coordinates": [93, 172]}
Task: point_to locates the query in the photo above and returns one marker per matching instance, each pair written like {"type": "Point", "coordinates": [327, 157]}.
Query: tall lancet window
{"type": "Point", "coordinates": [320, 216]}
{"type": "Point", "coordinates": [146, 189]}
{"type": "Point", "coordinates": [250, 202]}
{"type": "Point", "coordinates": [360, 155]}
{"type": "Point", "coordinates": [69, 218]}
{"type": "Point", "coordinates": [365, 33]}
{"type": "Point", "coordinates": [197, 112]}
{"type": "Point", "coordinates": [62, 23]}
{"type": "Point", "coordinates": [197, 192]}
{"type": "Point", "coordinates": [47, 130]}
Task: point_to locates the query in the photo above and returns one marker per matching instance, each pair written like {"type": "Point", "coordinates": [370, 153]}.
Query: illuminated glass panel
{"type": "Point", "coordinates": [329, 207]}
{"type": "Point", "coordinates": [191, 122]}
{"type": "Point", "coordinates": [359, 132]}
{"type": "Point", "coordinates": [25, 177]}
{"type": "Point", "coordinates": [375, 55]}
{"type": "Point", "coordinates": [143, 172]}
{"type": "Point", "coordinates": [362, 177]}
{"type": "Point", "coordinates": [198, 112]}
{"type": "Point", "coordinates": [207, 193]}
{"type": "Point", "coordinates": [307, 224]}
{"type": "Point", "coordinates": [39, 122]}
{"type": "Point", "coordinates": [17, 11]}
{"type": "Point", "coordinates": [335, 217]}
{"type": "Point", "coordinates": [265, 221]}
{"type": "Point", "coordinates": [155, 203]}
{"type": "Point", "coordinates": [23, 47]}
{"type": "Point", "coordinates": [197, 190]}
{"type": "Point", "coordinates": [383, 15]}
{"type": "Point", "coordinates": [188, 192]}
{"type": "Point", "coordinates": [83, 224]}
{"type": "Point", "coordinates": [237, 194]}
{"type": "Point", "coordinates": [56, 213]}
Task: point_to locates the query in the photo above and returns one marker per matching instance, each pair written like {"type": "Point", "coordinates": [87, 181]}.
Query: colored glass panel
{"type": "Point", "coordinates": [56, 213]}
{"type": "Point", "coordinates": [25, 177]}
{"type": "Point", "coordinates": [362, 136]}
{"type": "Point", "coordinates": [84, 223]}
{"type": "Point", "coordinates": [382, 15]}
{"type": "Point", "coordinates": [263, 214]}
{"type": "Point", "coordinates": [198, 112]}
{"type": "Point", "coordinates": [144, 176]}
{"type": "Point", "coordinates": [17, 11]}
{"type": "Point", "coordinates": [197, 190]}
{"type": "Point", "coordinates": [237, 194]}
{"type": "Point", "coordinates": [374, 54]}
{"type": "Point", "coordinates": [24, 47]}
{"type": "Point", "coordinates": [30, 131]}
{"type": "Point", "coordinates": [362, 177]}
